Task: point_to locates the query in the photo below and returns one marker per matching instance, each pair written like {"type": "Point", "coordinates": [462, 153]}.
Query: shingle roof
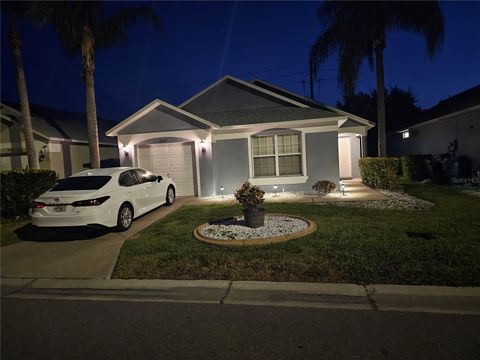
{"type": "Point", "coordinates": [57, 123]}
{"type": "Point", "coordinates": [460, 101]}
{"type": "Point", "coordinates": [259, 116]}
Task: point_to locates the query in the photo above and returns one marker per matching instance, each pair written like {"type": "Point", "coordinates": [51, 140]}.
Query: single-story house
{"type": "Point", "coordinates": [453, 124]}
{"type": "Point", "coordinates": [233, 131]}
{"type": "Point", "coordinates": [61, 140]}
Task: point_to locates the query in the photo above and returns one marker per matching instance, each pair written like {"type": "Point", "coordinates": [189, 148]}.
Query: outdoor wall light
{"type": "Point", "coordinates": [275, 189]}
{"type": "Point", "coordinates": [221, 189]}
{"type": "Point", "coordinates": [203, 146]}
{"type": "Point", "coordinates": [125, 150]}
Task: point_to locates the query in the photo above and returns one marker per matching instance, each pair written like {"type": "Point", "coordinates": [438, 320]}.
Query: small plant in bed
{"type": "Point", "coordinates": [324, 187]}
{"type": "Point", "coordinates": [251, 197]}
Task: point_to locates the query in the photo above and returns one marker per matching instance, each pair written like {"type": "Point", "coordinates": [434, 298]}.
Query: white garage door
{"type": "Point", "coordinates": [174, 159]}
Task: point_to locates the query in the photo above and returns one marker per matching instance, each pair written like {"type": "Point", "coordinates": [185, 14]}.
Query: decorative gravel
{"type": "Point", "coordinates": [395, 200]}
{"type": "Point", "coordinates": [274, 226]}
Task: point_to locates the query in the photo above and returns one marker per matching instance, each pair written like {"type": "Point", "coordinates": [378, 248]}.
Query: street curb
{"type": "Point", "coordinates": [408, 298]}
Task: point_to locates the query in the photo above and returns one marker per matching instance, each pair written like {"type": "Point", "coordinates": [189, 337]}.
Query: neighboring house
{"type": "Point", "coordinates": [61, 140]}
{"type": "Point", "coordinates": [453, 123]}
{"type": "Point", "coordinates": [234, 131]}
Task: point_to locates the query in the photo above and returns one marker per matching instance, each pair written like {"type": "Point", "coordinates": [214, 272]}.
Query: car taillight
{"type": "Point", "coordinates": [91, 202]}
{"type": "Point", "coordinates": [38, 205]}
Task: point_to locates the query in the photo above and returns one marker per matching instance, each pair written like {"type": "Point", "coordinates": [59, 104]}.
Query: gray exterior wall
{"type": "Point", "coordinates": [433, 138]}
{"type": "Point", "coordinates": [206, 165]}
{"type": "Point", "coordinates": [162, 119]}
{"type": "Point", "coordinates": [230, 164]}
{"type": "Point", "coordinates": [322, 161]}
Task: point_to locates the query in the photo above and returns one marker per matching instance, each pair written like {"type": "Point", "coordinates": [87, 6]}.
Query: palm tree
{"type": "Point", "coordinates": [83, 26]}
{"type": "Point", "coordinates": [18, 11]}
{"type": "Point", "coordinates": [358, 30]}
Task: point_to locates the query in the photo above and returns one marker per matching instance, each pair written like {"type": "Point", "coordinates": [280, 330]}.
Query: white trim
{"type": "Point", "coordinates": [253, 86]}
{"type": "Point", "coordinates": [196, 146]}
{"type": "Point", "coordinates": [284, 124]}
{"type": "Point", "coordinates": [278, 180]}
{"type": "Point", "coordinates": [149, 107]}
{"type": "Point", "coordinates": [304, 155]}
{"type": "Point", "coordinates": [331, 108]}
{"type": "Point", "coordinates": [444, 117]}
{"type": "Point", "coordinates": [360, 130]}
{"type": "Point", "coordinates": [250, 162]}
{"type": "Point", "coordinates": [218, 136]}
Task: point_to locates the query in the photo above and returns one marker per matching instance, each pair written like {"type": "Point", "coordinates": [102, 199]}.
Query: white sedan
{"type": "Point", "coordinates": [111, 197]}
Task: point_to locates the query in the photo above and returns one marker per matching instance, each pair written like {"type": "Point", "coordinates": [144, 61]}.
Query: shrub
{"type": "Point", "coordinates": [414, 167]}
{"type": "Point", "coordinates": [324, 187]}
{"type": "Point", "coordinates": [379, 172]}
{"type": "Point", "coordinates": [250, 197]}
{"type": "Point", "coordinates": [20, 187]}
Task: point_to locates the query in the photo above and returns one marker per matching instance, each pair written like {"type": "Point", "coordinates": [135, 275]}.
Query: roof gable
{"type": "Point", "coordinates": [159, 116]}
{"type": "Point", "coordinates": [231, 94]}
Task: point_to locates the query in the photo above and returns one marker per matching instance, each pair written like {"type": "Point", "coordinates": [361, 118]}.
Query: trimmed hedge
{"type": "Point", "coordinates": [379, 172]}
{"type": "Point", "coordinates": [414, 167]}
{"type": "Point", "coordinates": [20, 187]}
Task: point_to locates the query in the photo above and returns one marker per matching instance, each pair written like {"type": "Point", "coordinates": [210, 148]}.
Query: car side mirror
{"type": "Point", "coordinates": [159, 178]}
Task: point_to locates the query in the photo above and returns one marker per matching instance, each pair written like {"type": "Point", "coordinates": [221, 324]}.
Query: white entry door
{"type": "Point", "coordinates": [172, 159]}
{"type": "Point", "coordinates": [345, 161]}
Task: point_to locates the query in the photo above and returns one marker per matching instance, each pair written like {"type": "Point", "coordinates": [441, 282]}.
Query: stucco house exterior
{"type": "Point", "coordinates": [233, 131]}
{"type": "Point", "coordinates": [61, 140]}
{"type": "Point", "coordinates": [453, 122]}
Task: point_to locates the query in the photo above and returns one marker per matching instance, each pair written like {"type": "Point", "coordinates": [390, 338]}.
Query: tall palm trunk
{"type": "Point", "coordinates": [88, 70]}
{"type": "Point", "coordinates": [15, 43]}
{"type": "Point", "coordinates": [379, 46]}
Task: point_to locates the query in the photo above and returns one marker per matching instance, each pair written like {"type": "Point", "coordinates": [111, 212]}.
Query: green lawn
{"type": "Point", "coordinates": [350, 245]}
{"type": "Point", "coordinates": [8, 235]}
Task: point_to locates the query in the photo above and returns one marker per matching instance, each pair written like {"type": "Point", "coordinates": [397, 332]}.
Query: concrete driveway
{"type": "Point", "coordinates": [78, 253]}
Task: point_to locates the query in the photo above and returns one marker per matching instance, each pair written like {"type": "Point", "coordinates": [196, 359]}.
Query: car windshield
{"type": "Point", "coordinates": [81, 183]}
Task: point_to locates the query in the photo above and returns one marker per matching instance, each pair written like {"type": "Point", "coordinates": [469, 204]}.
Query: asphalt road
{"type": "Point", "coordinates": [70, 329]}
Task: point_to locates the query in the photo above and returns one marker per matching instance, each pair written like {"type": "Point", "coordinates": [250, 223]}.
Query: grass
{"type": "Point", "coordinates": [362, 246]}
{"type": "Point", "coordinates": [8, 235]}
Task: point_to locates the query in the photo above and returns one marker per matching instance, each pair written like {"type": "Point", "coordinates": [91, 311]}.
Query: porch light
{"type": "Point", "coordinates": [275, 188]}
{"type": "Point", "coordinates": [125, 150]}
{"type": "Point", "coordinates": [203, 146]}
{"type": "Point", "coordinates": [221, 189]}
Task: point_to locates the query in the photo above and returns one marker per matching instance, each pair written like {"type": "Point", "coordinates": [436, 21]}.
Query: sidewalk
{"type": "Point", "coordinates": [430, 299]}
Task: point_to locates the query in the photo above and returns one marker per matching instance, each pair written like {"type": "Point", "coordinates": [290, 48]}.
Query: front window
{"type": "Point", "coordinates": [277, 155]}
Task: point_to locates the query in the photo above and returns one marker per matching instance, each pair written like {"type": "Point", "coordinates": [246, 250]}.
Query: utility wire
{"type": "Point", "coordinates": [186, 85]}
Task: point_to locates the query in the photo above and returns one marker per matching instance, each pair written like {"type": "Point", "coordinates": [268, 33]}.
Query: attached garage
{"type": "Point", "coordinates": [176, 160]}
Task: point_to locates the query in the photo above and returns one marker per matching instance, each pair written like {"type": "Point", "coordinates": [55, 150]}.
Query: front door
{"type": "Point", "coordinates": [344, 157]}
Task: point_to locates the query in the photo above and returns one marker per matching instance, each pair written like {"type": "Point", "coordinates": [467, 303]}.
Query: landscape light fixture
{"type": "Point", "coordinates": [342, 188]}
{"type": "Point", "coordinates": [203, 146]}
{"type": "Point", "coordinates": [221, 189]}
{"type": "Point", "coordinates": [275, 189]}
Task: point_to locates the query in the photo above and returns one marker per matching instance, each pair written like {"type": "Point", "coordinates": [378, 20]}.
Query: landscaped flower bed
{"type": "Point", "coordinates": [274, 226]}
{"type": "Point", "coordinates": [234, 232]}
{"type": "Point", "coordinates": [395, 200]}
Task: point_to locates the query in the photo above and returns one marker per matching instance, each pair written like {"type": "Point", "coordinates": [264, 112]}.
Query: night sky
{"type": "Point", "coordinates": [202, 41]}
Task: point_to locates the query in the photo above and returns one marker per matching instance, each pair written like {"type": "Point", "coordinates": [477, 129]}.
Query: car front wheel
{"type": "Point", "coordinates": [125, 217]}
{"type": "Point", "coordinates": [170, 196]}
